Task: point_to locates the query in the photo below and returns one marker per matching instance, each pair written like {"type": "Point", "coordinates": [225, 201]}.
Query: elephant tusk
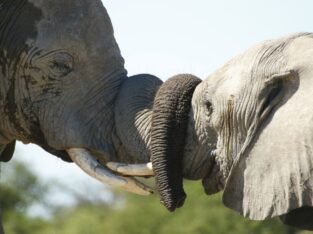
{"type": "Point", "coordinates": [144, 169]}
{"type": "Point", "coordinates": [83, 159]}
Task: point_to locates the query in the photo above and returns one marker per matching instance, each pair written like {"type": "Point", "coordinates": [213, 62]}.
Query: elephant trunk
{"type": "Point", "coordinates": [168, 131]}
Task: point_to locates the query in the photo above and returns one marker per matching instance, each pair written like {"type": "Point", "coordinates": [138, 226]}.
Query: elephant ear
{"type": "Point", "coordinates": [6, 151]}
{"type": "Point", "coordinates": [273, 174]}
{"type": "Point", "coordinates": [133, 113]}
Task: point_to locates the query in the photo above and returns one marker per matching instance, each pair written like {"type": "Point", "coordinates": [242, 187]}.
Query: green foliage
{"type": "Point", "coordinates": [19, 188]}
{"type": "Point", "coordinates": [201, 214]}
{"type": "Point", "coordinates": [20, 223]}
{"type": "Point", "coordinates": [127, 214]}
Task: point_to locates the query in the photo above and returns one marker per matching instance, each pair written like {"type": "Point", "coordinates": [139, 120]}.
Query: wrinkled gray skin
{"type": "Point", "coordinates": [61, 74]}
{"type": "Point", "coordinates": [61, 70]}
{"type": "Point", "coordinates": [257, 112]}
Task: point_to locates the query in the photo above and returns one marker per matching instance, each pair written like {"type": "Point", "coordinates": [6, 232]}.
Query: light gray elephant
{"type": "Point", "coordinates": [249, 132]}
{"type": "Point", "coordinates": [257, 109]}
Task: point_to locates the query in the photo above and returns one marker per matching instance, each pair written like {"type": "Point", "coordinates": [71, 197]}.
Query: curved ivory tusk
{"type": "Point", "coordinates": [87, 163]}
{"type": "Point", "coordinates": [144, 169]}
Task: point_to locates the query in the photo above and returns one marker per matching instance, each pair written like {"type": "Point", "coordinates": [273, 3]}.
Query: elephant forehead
{"type": "Point", "coordinates": [227, 83]}
{"type": "Point", "coordinates": [82, 28]}
{"type": "Point", "coordinates": [21, 17]}
{"type": "Point", "coordinates": [73, 24]}
{"type": "Point", "coordinates": [235, 76]}
{"type": "Point", "coordinates": [300, 53]}
{"type": "Point", "coordinates": [64, 11]}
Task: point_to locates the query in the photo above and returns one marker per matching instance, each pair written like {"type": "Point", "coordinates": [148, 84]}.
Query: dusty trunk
{"type": "Point", "coordinates": [168, 131]}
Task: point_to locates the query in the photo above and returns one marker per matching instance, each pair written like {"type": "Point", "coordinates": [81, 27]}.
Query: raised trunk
{"type": "Point", "coordinates": [168, 132]}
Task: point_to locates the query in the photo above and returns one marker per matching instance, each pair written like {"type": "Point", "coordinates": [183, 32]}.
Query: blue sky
{"type": "Point", "coordinates": [167, 37]}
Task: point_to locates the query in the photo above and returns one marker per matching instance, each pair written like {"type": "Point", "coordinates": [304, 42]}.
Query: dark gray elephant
{"type": "Point", "coordinates": [61, 73]}
{"type": "Point", "coordinates": [248, 131]}
{"type": "Point", "coordinates": [64, 87]}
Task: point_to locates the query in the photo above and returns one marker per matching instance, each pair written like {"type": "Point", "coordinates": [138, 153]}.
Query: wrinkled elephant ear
{"type": "Point", "coordinates": [7, 151]}
{"type": "Point", "coordinates": [273, 175]}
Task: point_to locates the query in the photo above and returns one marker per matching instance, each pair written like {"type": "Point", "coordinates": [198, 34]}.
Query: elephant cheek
{"type": "Point", "coordinates": [168, 132]}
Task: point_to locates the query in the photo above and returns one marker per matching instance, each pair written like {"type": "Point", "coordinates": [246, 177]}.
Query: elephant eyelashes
{"type": "Point", "coordinates": [60, 69]}
{"type": "Point", "coordinates": [61, 64]}
{"type": "Point", "coordinates": [209, 107]}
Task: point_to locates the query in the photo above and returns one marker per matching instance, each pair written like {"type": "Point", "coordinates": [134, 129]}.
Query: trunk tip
{"type": "Point", "coordinates": [174, 203]}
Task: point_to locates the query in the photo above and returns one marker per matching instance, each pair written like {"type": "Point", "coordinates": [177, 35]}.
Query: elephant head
{"type": "Point", "coordinates": [63, 85]}
{"type": "Point", "coordinates": [59, 60]}
{"type": "Point", "coordinates": [259, 105]}
{"type": "Point", "coordinates": [248, 131]}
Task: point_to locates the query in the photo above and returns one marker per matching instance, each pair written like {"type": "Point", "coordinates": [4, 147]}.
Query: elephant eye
{"type": "Point", "coordinates": [61, 64]}
{"type": "Point", "coordinates": [209, 107]}
{"type": "Point", "coordinates": [61, 67]}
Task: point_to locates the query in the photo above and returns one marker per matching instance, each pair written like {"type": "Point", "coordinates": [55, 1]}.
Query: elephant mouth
{"type": "Point", "coordinates": [168, 132]}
